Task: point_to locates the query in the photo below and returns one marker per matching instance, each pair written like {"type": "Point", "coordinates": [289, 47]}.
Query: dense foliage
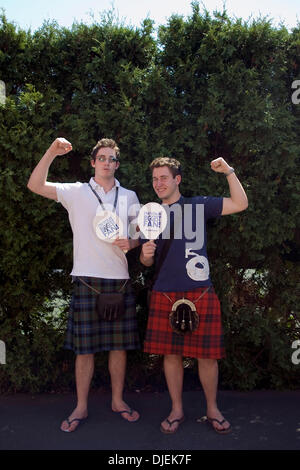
{"type": "Point", "coordinates": [206, 87]}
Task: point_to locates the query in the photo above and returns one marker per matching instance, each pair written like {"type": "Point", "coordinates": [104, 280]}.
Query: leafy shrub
{"type": "Point", "coordinates": [207, 87]}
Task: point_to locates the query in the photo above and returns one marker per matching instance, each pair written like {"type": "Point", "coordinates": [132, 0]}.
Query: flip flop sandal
{"type": "Point", "coordinates": [179, 421]}
{"type": "Point", "coordinates": [219, 431]}
{"type": "Point", "coordinates": [79, 420]}
{"type": "Point", "coordinates": [130, 412]}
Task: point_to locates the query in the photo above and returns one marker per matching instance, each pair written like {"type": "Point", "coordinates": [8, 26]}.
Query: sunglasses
{"type": "Point", "coordinates": [109, 159]}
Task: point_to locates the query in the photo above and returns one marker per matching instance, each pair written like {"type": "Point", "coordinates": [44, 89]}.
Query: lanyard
{"type": "Point", "coordinates": [98, 197]}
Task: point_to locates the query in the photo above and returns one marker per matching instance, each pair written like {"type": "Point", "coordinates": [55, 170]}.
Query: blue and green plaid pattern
{"type": "Point", "coordinates": [86, 332]}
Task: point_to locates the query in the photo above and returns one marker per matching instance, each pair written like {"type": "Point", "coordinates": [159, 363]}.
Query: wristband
{"type": "Point", "coordinates": [229, 172]}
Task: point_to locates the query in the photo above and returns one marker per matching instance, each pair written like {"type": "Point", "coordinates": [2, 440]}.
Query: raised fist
{"type": "Point", "coordinates": [219, 165]}
{"type": "Point", "coordinates": [60, 146]}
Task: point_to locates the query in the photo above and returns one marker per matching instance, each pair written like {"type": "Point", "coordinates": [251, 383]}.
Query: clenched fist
{"type": "Point", "coordinates": [123, 244]}
{"type": "Point", "coordinates": [147, 253]}
{"type": "Point", "coordinates": [219, 165]}
{"type": "Point", "coordinates": [60, 146]}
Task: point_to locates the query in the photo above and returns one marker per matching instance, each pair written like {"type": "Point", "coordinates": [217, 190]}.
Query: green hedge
{"type": "Point", "coordinates": [207, 86]}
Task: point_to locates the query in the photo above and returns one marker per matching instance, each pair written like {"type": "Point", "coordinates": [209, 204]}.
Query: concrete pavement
{"type": "Point", "coordinates": [261, 420]}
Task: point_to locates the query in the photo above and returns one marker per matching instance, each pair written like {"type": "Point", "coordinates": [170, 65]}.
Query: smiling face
{"type": "Point", "coordinates": [105, 169]}
{"type": "Point", "coordinates": [165, 184]}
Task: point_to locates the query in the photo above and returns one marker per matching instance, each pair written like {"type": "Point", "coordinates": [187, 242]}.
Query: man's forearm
{"type": "Point", "coordinates": [237, 193]}
{"type": "Point", "coordinates": [39, 175]}
{"type": "Point", "coordinates": [38, 179]}
{"type": "Point", "coordinates": [238, 200]}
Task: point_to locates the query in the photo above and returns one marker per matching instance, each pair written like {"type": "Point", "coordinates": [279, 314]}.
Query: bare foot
{"type": "Point", "coordinates": [172, 422]}
{"type": "Point", "coordinates": [218, 422]}
{"type": "Point", "coordinates": [72, 422]}
{"type": "Point", "coordinates": [126, 412]}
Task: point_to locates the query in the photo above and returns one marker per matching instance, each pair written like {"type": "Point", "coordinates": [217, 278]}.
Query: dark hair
{"type": "Point", "coordinates": [105, 143]}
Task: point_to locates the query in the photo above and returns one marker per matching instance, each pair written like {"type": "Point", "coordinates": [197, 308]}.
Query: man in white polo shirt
{"type": "Point", "coordinates": [99, 266]}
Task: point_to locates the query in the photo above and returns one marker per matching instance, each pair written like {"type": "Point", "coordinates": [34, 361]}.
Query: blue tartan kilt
{"type": "Point", "coordinates": [86, 332]}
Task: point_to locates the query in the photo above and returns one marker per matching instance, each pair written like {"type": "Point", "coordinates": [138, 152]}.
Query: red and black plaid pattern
{"type": "Point", "coordinates": [87, 333]}
{"type": "Point", "coordinates": [205, 342]}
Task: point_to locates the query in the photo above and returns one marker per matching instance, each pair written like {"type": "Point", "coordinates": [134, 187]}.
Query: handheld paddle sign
{"type": "Point", "coordinates": [108, 226]}
{"type": "Point", "coordinates": [152, 220]}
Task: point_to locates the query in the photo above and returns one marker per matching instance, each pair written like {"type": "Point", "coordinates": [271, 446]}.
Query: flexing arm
{"type": "Point", "coordinates": [38, 180]}
{"type": "Point", "coordinates": [238, 200]}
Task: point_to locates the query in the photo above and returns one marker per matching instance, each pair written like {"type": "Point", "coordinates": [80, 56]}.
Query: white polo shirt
{"type": "Point", "coordinates": [92, 256]}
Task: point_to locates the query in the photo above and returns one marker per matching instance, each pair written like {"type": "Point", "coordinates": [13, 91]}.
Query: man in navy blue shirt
{"type": "Point", "coordinates": [184, 273]}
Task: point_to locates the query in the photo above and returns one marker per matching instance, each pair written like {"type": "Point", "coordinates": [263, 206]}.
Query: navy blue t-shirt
{"type": "Point", "coordinates": [186, 266]}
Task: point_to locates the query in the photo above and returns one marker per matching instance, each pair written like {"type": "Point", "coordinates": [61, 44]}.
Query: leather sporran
{"type": "Point", "coordinates": [183, 317]}
{"type": "Point", "coordinates": [110, 306]}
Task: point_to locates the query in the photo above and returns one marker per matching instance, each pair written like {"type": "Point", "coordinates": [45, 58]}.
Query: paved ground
{"type": "Point", "coordinates": [263, 420]}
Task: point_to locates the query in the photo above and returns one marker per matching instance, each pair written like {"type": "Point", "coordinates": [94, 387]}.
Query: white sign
{"type": "Point", "coordinates": [108, 226]}
{"type": "Point", "coordinates": [152, 220]}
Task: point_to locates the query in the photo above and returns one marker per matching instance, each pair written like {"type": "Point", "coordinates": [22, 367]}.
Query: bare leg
{"type": "Point", "coordinates": [208, 374]}
{"type": "Point", "coordinates": [173, 369]}
{"type": "Point", "coordinates": [84, 369]}
{"type": "Point", "coordinates": [117, 370]}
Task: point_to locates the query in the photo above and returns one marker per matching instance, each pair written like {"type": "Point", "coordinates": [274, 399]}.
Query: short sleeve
{"type": "Point", "coordinates": [66, 193]}
{"type": "Point", "coordinates": [212, 206]}
{"type": "Point", "coordinates": [133, 207]}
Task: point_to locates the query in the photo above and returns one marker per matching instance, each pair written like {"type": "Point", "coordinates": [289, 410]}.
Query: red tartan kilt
{"type": "Point", "coordinates": [205, 342]}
